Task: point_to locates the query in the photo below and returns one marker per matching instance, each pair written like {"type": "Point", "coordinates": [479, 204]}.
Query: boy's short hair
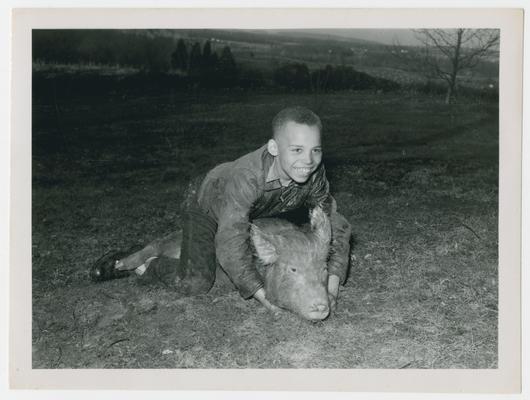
{"type": "Point", "coordinates": [300, 115]}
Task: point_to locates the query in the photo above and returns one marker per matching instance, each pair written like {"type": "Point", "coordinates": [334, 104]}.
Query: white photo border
{"type": "Point", "coordinates": [505, 379]}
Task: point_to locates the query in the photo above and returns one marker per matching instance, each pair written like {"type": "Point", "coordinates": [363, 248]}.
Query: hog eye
{"type": "Point", "coordinates": [293, 269]}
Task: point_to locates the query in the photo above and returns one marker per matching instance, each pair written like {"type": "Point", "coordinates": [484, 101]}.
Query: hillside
{"type": "Point", "coordinates": [262, 51]}
{"type": "Point", "coordinates": [265, 50]}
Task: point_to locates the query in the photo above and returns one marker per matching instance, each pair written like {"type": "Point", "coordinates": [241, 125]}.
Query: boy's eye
{"type": "Point", "coordinates": [297, 150]}
{"type": "Point", "coordinates": [317, 150]}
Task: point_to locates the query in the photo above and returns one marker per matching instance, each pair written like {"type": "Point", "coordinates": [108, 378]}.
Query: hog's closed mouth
{"type": "Point", "coordinates": [317, 315]}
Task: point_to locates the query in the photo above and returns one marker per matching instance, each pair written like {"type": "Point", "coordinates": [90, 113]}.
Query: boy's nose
{"type": "Point", "coordinates": [308, 159]}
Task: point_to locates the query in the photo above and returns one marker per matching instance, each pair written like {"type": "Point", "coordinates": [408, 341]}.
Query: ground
{"type": "Point", "coordinates": [417, 179]}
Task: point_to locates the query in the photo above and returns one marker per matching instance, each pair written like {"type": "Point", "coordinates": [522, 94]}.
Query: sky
{"type": "Point", "coordinates": [405, 37]}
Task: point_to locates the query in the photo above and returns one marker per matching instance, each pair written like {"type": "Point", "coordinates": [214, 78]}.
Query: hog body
{"type": "Point", "coordinates": [292, 260]}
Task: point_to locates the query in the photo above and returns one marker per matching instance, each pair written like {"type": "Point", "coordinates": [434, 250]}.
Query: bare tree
{"type": "Point", "coordinates": [448, 52]}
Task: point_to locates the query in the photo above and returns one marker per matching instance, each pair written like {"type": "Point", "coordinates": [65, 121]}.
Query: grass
{"type": "Point", "coordinates": [417, 179]}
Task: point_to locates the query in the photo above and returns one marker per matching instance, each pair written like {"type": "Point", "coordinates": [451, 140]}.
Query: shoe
{"type": "Point", "coordinates": [104, 268]}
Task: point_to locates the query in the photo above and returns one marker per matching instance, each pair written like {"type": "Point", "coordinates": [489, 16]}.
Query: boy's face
{"type": "Point", "coordinates": [299, 151]}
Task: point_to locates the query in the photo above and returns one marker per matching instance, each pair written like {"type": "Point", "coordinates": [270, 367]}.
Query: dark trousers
{"type": "Point", "coordinates": [194, 273]}
{"type": "Point", "coordinates": [196, 270]}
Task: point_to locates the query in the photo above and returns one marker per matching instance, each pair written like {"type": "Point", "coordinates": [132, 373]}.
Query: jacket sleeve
{"type": "Point", "coordinates": [339, 255]}
{"type": "Point", "coordinates": [232, 240]}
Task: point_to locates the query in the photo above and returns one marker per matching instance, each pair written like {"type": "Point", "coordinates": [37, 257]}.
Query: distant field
{"type": "Point", "coordinates": [417, 179]}
{"type": "Point", "coordinates": [123, 52]}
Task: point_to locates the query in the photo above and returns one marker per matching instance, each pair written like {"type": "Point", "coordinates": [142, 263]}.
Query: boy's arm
{"type": "Point", "coordinates": [260, 296]}
{"type": "Point", "coordinates": [339, 257]}
{"type": "Point", "coordinates": [333, 290]}
{"type": "Point", "coordinates": [340, 230]}
{"type": "Point", "coordinates": [232, 240]}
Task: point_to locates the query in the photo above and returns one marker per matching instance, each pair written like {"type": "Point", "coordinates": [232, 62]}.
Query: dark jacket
{"type": "Point", "coordinates": [237, 192]}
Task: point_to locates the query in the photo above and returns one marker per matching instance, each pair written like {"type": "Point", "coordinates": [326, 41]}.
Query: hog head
{"type": "Point", "coordinates": [295, 260]}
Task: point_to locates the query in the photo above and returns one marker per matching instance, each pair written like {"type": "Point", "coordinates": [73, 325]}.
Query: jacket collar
{"type": "Point", "coordinates": [272, 179]}
{"type": "Point", "coordinates": [273, 175]}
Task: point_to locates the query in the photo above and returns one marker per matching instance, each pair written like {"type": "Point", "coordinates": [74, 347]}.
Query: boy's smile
{"type": "Point", "coordinates": [298, 150]}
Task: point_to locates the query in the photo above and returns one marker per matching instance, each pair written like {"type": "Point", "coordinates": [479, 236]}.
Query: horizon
{"type": "Point", "coordinates": [403, 36]}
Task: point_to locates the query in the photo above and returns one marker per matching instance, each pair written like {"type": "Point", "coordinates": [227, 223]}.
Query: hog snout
{"type": "Point", "coordinates": [320, 307]}
{"type": "Point", "coordinates": [318, 311]}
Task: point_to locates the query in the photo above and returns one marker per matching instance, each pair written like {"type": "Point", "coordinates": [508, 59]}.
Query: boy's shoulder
{"type": "Point", "coordinates": [258, 162]}
{"type": "Point", "coordinates": [255, 164]}
{"type": "Point", "coordinates": [256, 159]}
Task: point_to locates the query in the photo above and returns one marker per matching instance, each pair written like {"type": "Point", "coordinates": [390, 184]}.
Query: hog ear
{"type": "Point", "coordinates": [264, 247]}
{"type": "Point", "coordinates": [320, 225]}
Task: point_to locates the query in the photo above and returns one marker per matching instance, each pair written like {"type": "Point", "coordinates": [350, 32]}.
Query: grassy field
{"type": "Point", "coordinates": [417, 179]}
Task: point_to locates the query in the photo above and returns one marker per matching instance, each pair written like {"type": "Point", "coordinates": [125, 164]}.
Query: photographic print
{"type": "Point", "coordinates": [233, 198]}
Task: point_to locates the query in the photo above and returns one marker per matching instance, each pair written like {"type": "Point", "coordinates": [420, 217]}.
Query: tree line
{"type": "Point", "coordinates": [189, 63]}
{"type": "Point", "coordinates": [147, 53]}
{"type": "Point", "coordinates": [205, 66]}
{"type": "Point", "coordinates": [102, 46]}
{"type": "Point", "coordinates": [297, 76]}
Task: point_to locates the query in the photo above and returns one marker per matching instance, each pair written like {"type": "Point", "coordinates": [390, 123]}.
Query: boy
{"type": "Point", "coordinates": [284, 175]}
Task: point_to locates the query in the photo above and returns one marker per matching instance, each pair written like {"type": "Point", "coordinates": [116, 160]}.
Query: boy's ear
{"type": "Point", "coordinates": [272, 147]}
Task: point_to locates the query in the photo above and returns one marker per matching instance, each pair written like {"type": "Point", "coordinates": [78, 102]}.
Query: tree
{"type": "Point", "coordinates": [214, 60]}
{"type": "Point", "coordinates": [227, 67]}
{"type": "Point", "coordinates": [208, 63]}
{"type": "Point", "coordinates": [207, 55]}
{"type": "Point", "coordinates": [195, 60]}
{"type": "Point", "coordinates": [448, 52]}
{"type": "Point", "coordinates": [179, 58]}
{"type": "Point", "coordinates": [319, 79]}
{"type": "Point", "coordinates": [345, 77]}
{"type": "Point", "coordinates": [155, 54]}
{"type": "Point", "coordinates": [292, 76]}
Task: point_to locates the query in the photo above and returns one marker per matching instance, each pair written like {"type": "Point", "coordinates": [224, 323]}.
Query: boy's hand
{"type": "Point", "coordinates": [333, 291]}
{"type": "Point", "coordinates": [332, 302]}
{"type": "Point", "coordinates": [260, 296]}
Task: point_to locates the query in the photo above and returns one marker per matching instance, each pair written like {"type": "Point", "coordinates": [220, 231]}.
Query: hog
{"type": "Point", "coordinates": [292, 260]}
